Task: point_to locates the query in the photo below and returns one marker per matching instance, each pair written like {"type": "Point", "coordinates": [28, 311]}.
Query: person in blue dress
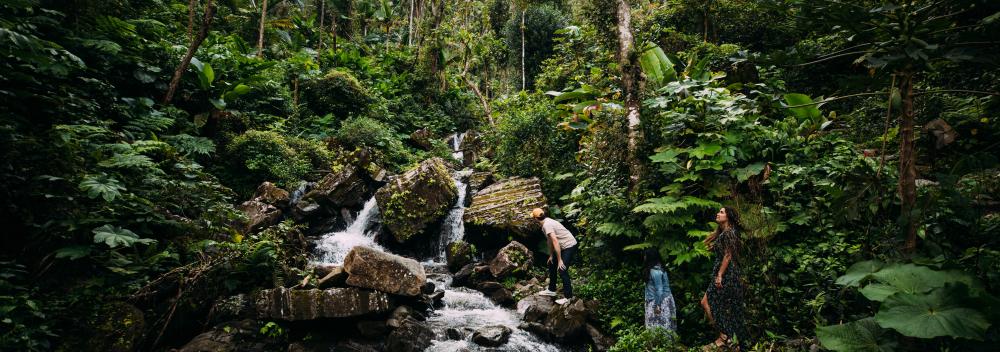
{"type": "Point", "coordinates": [660, 308]}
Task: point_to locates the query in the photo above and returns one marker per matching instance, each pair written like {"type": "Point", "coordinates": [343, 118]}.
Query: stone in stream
{"type": "Point", "coordinates": [294, 305]}
{"type": "Point", "coordinates": [370, 268]}
{"type": "Point", "coordinates": [567, 321]}
{"type": "Point", "coordinates": [410, 336]}
{"type": "Point", "coordinates": [492, 336]}
{"type": "Point", "coordinates": [503, 209]}
{"type": "Point", "coordinates": [513, 258]}
{"type": "Point", "coordinates": [411, 202]}
{"type": "Point", "coordinates": [454, 334]}
{"type": "Point", "coordinates": [496, 292]}
{"type": "Point", "coordinates": [535, 308]}
{"type": "Point", "coordinates": [458, 254]}
{"type": "Point", "coordinates": [347, 187]}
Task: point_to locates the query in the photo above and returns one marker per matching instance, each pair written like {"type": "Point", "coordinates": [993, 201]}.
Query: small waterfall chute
{"type": "Point", "coordinates": [332, 248]}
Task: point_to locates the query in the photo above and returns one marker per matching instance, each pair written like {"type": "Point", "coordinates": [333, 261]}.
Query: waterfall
{"type": "Point", "coordinates": [333, 247]}
{"type": "Point", "coordinates": [453, 228]}
{"type": "Point", "coordinates": [456, 146]}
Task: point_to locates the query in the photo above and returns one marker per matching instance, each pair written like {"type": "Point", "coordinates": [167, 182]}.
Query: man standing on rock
{"type": "Point", "coordinates": [563, 245]}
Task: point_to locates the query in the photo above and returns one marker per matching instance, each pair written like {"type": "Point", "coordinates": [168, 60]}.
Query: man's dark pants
{"type": "Point", "coordinates": [567, 257]}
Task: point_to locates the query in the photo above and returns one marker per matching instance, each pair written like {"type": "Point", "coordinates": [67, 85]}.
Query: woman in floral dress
{"type": "Point", "coordinates": [723, 301]}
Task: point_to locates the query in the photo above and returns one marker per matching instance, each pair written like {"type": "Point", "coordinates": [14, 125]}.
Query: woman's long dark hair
{"type": "Point", "coordinates": [733, 219]}
{"type": "Point", "coordinates": [651, 257]}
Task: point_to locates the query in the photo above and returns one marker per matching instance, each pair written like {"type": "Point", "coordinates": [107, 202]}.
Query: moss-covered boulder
{"type": "Point", "coordinates": [503, 209]}
{"type": "Point", "coordinates": [346, 187]}
{"type": "Point", "coordinates": [479, 180]}
{"type": "Point", "coordinates": [410, 202]}
{"type": "Point", "coordinates": [371, 268]}
{"type": "Point", "coordinates": [338, 93]}
{"type": "Point", "coordinates": [295, 305]}
{"type": "Point", "coordinates": [513, 258]}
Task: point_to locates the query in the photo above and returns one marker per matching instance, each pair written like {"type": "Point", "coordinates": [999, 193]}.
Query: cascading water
{"type": "Point", "coordinates": [453, 228]}
{"type": "Point", "coordinates": [333, 247]}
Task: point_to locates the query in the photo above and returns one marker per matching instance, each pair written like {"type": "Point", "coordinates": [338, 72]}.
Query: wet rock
{"type": "Point", "coordinates": [600, 341]}
{"type": "Point", "coordinates": [503, 209]}
{"type": "Point", "coordinates": [293, 305]}
{"type": "Point", "coordinates": [390, 273]}
{"type": "Point", "coordinates": [463, 278]}
{"type": "Point", "coordinates": [535, 308]}
{"type": "Point", "coordinates": [526, 288]}
{"type": "Point", "coordinates": [346, 187]}
{"type": "Point", "coordinates": [236, 307]}
{"type": "Point", "coordinates": [229, 337]}
{"type": "Point", "coordinates": [438, 298]}
{"type": "Point", "coordinates": [373, 329]}
{"type": "Point", "coordinates": [492, 336]}
{"type": "Point", "coordinates": [270, 194]}
{"type": "Point", "coordinates": [259, 215]}
{"type": "Point", "coordinates": [409, 203]}
{"type": "Point", "coordinates": [398, 316]}
{"type": "Point", "coordinates": [454, 334]}
{"type": "Point", "coordinates": [458, 254]}
{"type": "Point", "coordinates": [496, 292]}
{"type": "Point", "coordinates": [567, 321]}
{"type": "Point", "coordinates": [119, 328]}
{"type": "Point", "coordinates": [513, 258]}
{"type": "Point", "coordinates": [411, 336]}
{"type": "Point", "coordinates": [427, 288]}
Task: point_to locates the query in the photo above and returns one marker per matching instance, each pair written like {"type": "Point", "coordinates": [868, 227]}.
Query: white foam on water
{"type": "Point", "coordinates": [332, 248]}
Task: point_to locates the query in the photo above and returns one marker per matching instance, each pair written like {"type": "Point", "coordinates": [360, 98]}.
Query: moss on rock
{"type": "Point", "coordinates": [412, 201]}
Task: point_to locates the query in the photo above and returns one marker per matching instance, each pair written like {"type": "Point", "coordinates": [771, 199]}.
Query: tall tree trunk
{"type": "Point", "coordinates": [907, 164]}
{"type": "Point", "coordinates": [190, 30]}
{"type": "Point", "coordinates": [524, 11]}
{"type": "Point", "coordinates": [409, 30]}
{"type": "Point", "coordinates": [260, 34]}
{"type": "Point", "coordinates": [206, 23]}
{"type": "Point", "coordinates": [630, 86]}
{"type": "Point", "coordinates": [322, 17]}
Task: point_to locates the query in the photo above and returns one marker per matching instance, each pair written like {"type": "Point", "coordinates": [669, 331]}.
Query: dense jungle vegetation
{"type": "Point", "coordinates": [859, 139]}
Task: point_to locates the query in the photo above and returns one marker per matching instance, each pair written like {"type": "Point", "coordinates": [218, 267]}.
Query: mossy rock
{"type": "Point", "coordinates": [503, 210]}
{"type": "Point", "coordinates": [409, 203]}
{"type": "Point", "coordinates": [459, 253]}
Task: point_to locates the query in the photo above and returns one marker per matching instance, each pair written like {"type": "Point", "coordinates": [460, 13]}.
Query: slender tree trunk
{"type": "Point", "coordinates": [322, 17]}
{"type": "Point", "coordinates": [409, 30]}
{"type": "Point", "coordinates": [190, 30]}
{"type": "Point", "coordinates": [907, 164]}
{"type": "Point", "coordinates": [630, 87]}
{"type": "Point", "coordinates": [479, 94]}
{"type": "Point", "coordinates": [333, 27]}
{"type": "Point", "coordinates": [260, 34]}
{"type": "Point", "coordinates": [524, 11]}
{"type": "Point", "coordinates": [206, 23]}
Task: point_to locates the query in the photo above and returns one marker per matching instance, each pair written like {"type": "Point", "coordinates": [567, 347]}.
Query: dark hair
{"type": "Point", "coordinates": [733, 218]}
{"type": "Point", "coordinates": [650, 257]}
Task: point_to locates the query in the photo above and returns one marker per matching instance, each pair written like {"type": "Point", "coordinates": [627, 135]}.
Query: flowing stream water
{"type": "Point", "coordinates": [464, 309]}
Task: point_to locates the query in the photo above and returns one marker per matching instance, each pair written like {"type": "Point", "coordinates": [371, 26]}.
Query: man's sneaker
{"type": "Point", "coordinates": [547, 293]}
{"type": "Point", "coordinates": [562, 301]}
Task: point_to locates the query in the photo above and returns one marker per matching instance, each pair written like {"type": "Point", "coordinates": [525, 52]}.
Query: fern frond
{"type": "Point", "coordinates": [189, 144]}
{"type": "Point", "coordinates": [617, 229]}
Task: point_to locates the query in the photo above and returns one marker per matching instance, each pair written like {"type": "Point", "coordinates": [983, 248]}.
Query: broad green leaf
{"type": "Point", "coordinates": [859, 272]}
{"type": "Point", "coordinates": [745, 173]}
{"type": "Point", "coordinates": [666, 156]}
{"type": "Point", "coordinates": [241, 89]}
{"type": "Point", "coordinates": [802, 106]}
{"type": "Point", "coordinates": [657, 67]}
{"type": "Point", "coordinates": [938, 313]}
{"type": "Point", "coordinates": [218, 103]}
{"type": "Point", "coordinates": [910, 278]}
{"type": "Point", "coordinates": [878, 292]}
{"type": "Point", "coordinates": [704, 150]}
{"type": "Point", "coordinates": [115, 236]}
{"type": "Point", "coordinates": [101, 186]}
{"type": "Point", "coordinates": [864, 335]}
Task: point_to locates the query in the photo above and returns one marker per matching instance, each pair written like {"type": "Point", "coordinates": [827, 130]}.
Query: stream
{"type": "Point", "coordinates": [464, 309]}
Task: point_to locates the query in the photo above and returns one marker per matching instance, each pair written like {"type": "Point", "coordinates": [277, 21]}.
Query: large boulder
{"type": "Point", "coordinates": [234, 336]}
{"type": "Point", "coordinates": [535, 308]}
{"type": "Point", "coordinates": [422, 138]}
{"type": "Point", "coordinates": [567, 321]}
{"type": "Point", "coordinates": [410, 336]}
{"type": "Point", "coordinates": [496, 292]}
{"type": "Point", "coordinates": [347, 187]}
{"type": "Point", "coordinates": [370, 268]}
{"type": "Point", "coordinates": [459, 254]}
{"type": "Point", "coordinates": [294, 305]}
{"type": "Point", "coordinates": [513, 258]}
{"type": "Point", "coordinates": [259, 215]}
{"type": "Point", "coordinates": [492, 336]}
{"type": "Point", "coordinates": [269, 193]}
{"type": "Point", "coordinates": [503, 209]}
{"type": "Point", "coordinates": [230, 308]}
{"type": "Point", "coordinates": [410, 202]}
{"type": "Point", "coordinates": [479, 180]}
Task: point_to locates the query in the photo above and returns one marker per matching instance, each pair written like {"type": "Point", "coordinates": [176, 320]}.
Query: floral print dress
{"type": "Point", "coordinates": [660, 308]}
{"type": "Point", "coordinates": [726, 303]}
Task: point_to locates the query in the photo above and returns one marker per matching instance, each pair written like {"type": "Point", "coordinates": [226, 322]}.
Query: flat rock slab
{"type": "Point", "coordinates": [294, 305]}
{"type": "Point", "coordinates": [505, 208]}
